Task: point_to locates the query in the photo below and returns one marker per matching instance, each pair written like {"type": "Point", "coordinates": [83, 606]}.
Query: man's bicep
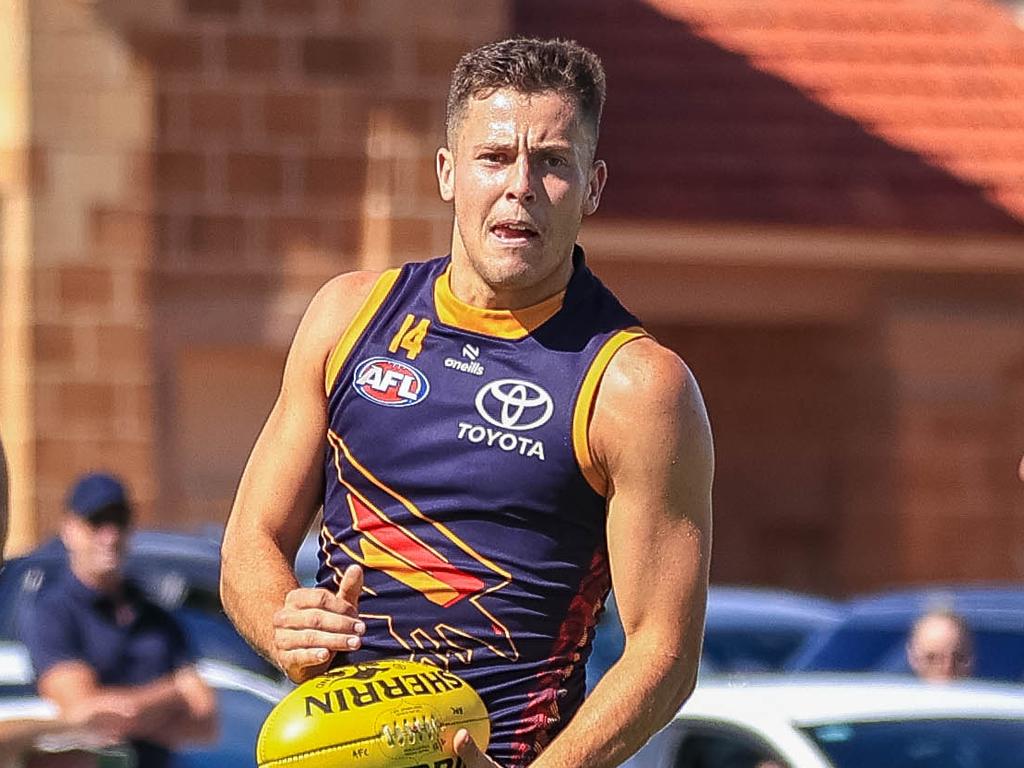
{"type": "Point", "coordinates": [660, 468]}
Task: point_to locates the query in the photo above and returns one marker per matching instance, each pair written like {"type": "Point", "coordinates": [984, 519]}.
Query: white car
{"type": "Point", "coordinates": [835, 721]}
{"type": "Point", "coordinates": [244, 699]}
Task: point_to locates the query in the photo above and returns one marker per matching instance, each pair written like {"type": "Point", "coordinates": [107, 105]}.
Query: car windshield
{"type": "Point", "coordinates": [750, 650]}
{"type": "Point", "coordinates": [938, 743]}
{"type": "Point", "coordinates": [999, 652]}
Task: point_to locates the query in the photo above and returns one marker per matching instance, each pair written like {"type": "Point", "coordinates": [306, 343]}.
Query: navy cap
{"type": "Point", "coordinates": [97, 492]}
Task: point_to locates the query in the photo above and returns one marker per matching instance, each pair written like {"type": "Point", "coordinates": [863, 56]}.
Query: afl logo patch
{"type": "Point", "coordinates": [388, 382]}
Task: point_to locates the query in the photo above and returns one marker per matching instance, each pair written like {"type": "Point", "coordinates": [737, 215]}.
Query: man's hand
{"type": "Point", "coordinates": [110, 718]}
{"type": "Point", "coordinates": [470, 753]}
{"type": "Point", "coordinates": [315, 624]}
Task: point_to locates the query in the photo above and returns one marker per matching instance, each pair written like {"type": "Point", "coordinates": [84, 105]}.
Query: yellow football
{"type": "Point", "coordinates": [380, 714]}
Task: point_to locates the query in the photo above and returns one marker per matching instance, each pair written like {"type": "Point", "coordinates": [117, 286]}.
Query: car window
{"type": "Point", "coordinates": [752, 650]}
{"type": "Point", "coordinates": [999, 653]}
{"type": "Point", "coordinates": [939, 743]}
{"type": "Point", "coordinates": [716, 747]}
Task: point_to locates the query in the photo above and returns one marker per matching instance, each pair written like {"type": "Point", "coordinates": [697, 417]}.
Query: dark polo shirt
{"type": "Point", "coordinates": [133, 644]}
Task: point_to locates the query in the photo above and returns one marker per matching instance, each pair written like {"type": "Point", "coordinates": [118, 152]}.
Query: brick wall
{"type": "Point", "coordinates": [868, 448]}
{"type": "Point", "coordinates": [178, 177]}
{"type": "Point", "coordinates": [292, 141]}
{"type": "Point", "coordinates": [89, 236]}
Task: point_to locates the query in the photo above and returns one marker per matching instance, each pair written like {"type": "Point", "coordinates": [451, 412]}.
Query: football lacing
{"type": "Point", "coordinates": [409, 732]}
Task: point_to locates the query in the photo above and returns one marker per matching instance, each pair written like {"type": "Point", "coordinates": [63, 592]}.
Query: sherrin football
{"type": "Point", "coordinates": [381, 714]}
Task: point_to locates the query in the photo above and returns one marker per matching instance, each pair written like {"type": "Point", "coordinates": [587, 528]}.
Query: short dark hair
{"type": "Point", "coordinates": [529, 65]}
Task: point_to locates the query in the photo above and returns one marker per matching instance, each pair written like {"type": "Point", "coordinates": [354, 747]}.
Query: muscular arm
{"type": "Point", "coordinates": [650, 435]}
{"type": "Point", "coordinates": [171, 710]}
{"type": "Point", "coordinates": [280, 490]}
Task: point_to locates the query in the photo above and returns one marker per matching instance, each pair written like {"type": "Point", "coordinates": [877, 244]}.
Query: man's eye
{"type": "Point", "coordinates": [557, 162]}
{"type": "Point", "coordinates": [492, 157]}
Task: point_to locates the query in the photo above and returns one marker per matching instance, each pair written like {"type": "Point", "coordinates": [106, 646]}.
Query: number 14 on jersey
{"type": "Point", "coordinates": [410, 336]}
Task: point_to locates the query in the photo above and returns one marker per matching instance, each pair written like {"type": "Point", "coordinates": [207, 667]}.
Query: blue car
{"type": "Point", "coordinates": [748, 629]}
{"type": "Point", "coordinates": [873, 634]}
{"type": "Point", "coordinates": [180, 572]}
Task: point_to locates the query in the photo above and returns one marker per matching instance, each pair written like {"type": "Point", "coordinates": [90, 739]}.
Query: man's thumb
{"type": "Point", "coordinates": [352, 585]}
{"type": "Point", "coordinates": [467, 749]}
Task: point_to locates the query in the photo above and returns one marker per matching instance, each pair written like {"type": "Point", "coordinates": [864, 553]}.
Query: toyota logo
{"type": "Point", "coordinates": [514, 404]}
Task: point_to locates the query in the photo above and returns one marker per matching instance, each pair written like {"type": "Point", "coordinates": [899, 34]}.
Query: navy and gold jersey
{"type": "Point", "coordinates": [459, 476]}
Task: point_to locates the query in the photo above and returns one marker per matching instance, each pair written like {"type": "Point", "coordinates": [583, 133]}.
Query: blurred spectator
{"type": "Point", "coordinates": [113, 662]}
{"type": "Point", "coordinates": [940, 647]}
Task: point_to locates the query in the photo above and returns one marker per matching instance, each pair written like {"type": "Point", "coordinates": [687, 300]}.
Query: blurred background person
{"type": "Point", "coordinates": [940, 647]}
{"type": "Point", "coordinates": [110, 659]}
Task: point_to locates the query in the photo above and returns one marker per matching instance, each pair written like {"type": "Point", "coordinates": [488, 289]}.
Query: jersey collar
{"type": "Point", "coordinates": [499, 323]}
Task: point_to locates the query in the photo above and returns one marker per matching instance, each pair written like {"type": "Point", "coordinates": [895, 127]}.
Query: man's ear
{"type": "Point", "coordinates": [445, 166]}
{"type": "Point", "coordinates": [69, 531]}
{"type": "Point", "coordinates": [595, 186]}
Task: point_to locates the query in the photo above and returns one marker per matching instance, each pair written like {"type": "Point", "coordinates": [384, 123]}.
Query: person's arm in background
{"type": "Point", "coordinates": [172, 710]}
{"type": "Point", "coordinates": [651, 437]}
{"type": "Point", "coordinates": [299, 629]}
{"type": "Point", "coordinates": [4, 491]}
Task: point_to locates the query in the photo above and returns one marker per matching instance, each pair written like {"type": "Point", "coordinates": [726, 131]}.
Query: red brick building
{"type": "Point", "coordinates": [820, 206]}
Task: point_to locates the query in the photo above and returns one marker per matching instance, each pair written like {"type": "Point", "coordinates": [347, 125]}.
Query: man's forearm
{"type": "Point", "coordinates": [253, 585]}
{"type": "Point", "coordinates": [162, 713]}
{"type": "Point", "coordinates": [179, 728]}
{"type": "Point", "coordinates": [637, 697]}
{"type": "Point", "coordinates": [154, 704]}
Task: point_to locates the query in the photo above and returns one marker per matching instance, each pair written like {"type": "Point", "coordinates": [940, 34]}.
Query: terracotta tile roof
{"type": "Point", "coordinates": [865, 113]}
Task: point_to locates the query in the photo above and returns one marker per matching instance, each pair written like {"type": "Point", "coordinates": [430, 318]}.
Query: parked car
{"type": "Point", "coordinates": [748, 629]}
{"type": "Point", "coordinates": [873, 633]}
{"type": "Point", "coordinates": [178, 571]}
{"type": "Point", "coordinates": [244, 699]}
{"type": "Point", "coordinates": [836, 721]}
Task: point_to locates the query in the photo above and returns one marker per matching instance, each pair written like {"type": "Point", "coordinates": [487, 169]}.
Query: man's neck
{"type": "Point", "coordinates": [108, 583]}
{"type": "Point", "coordinates": [469, 287]}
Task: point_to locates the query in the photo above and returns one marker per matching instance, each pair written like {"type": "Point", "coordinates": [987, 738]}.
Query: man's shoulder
{"type": "Point", "coordinates": [646, 373]}
{"type": "Point", "coordinates": [344, 294]}
{"type": "Point", "coordinates": [647, 389]}
{"type": "Point", "coordinates": [330, 312]}
{"type": "Point", "coordinates": [57, 593]}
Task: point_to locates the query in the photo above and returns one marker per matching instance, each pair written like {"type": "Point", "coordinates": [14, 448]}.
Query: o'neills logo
{"type": "Point", "coordinates": [348, 694]}
{"type": "Point", "coordinates": [475, 367]}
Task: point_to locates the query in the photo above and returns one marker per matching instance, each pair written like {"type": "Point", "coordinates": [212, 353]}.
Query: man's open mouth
{"type": "Point", "coordinates": [514, 231]}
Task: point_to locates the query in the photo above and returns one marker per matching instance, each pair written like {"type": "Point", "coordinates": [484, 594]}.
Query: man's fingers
{"type": "Point", "coordinates": [292, 639]}
{"type": "Point", "coordinates": [351, 585]}
{"type": "Point", "coordinates": [313, 618]}
{"type": "Point", "coordinates": [314, 597]}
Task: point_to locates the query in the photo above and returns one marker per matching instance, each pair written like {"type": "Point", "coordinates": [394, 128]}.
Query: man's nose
{"type": "Point", "coordinates": [520, 183]}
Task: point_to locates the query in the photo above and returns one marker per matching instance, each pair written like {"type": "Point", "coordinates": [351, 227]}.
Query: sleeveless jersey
{"type": "Point", "coordinates": [458, 475]}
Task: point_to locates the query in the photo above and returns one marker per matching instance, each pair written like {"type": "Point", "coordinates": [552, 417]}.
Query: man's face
{"type": "Point", "coordinates": [521, 174]}
{"type": "Point", "coordinates": [938, 650]}
{"type": "Point", "coordinates": [96, 547]}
